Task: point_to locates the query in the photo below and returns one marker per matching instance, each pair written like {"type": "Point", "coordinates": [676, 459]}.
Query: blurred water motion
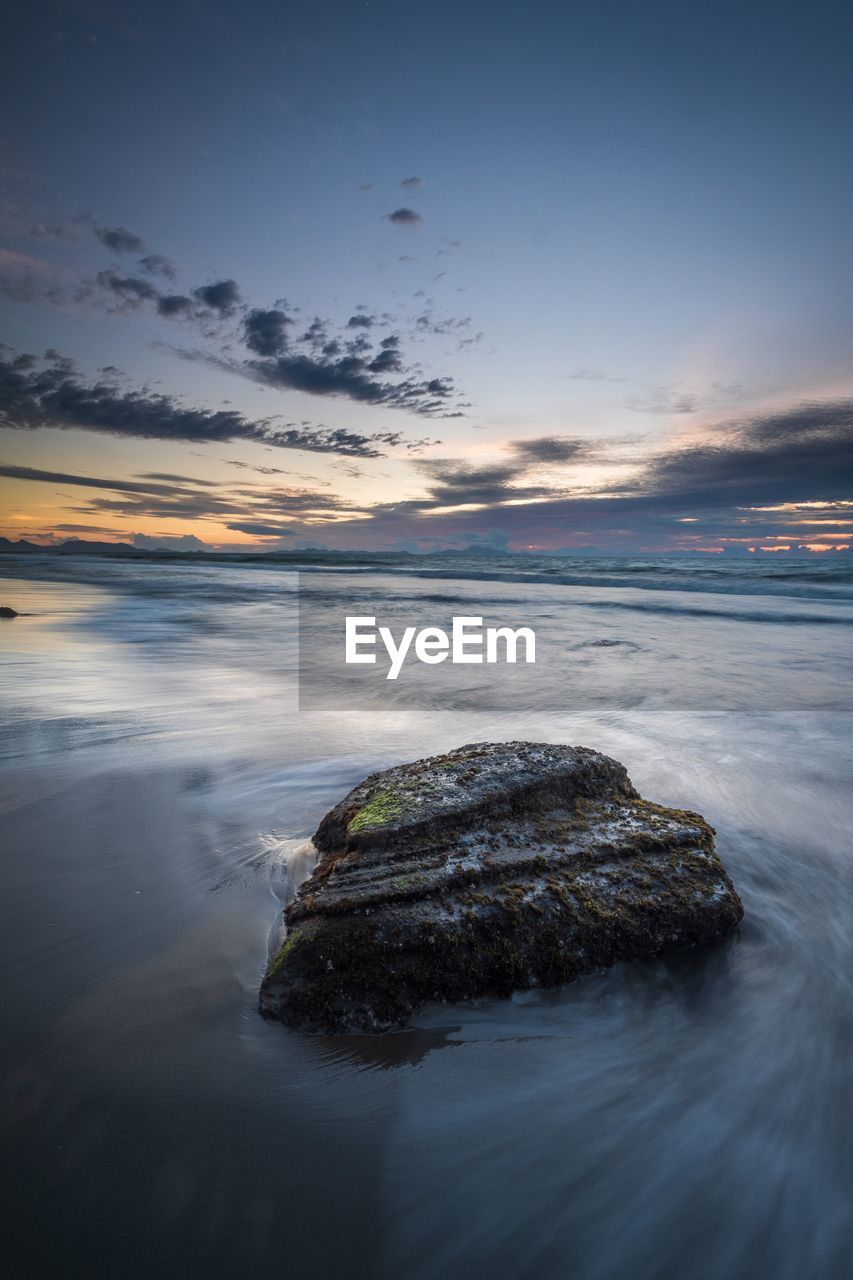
{"type": "Point", "coordinates": [162, 769]}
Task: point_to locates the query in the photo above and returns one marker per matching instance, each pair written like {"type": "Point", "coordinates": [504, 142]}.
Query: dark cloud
{"type": "Point", "coordinates": [89, 482]}
{"type": "Point", "coordinates": [698, 492]}
{"type": "Point", "coordinates": [157, 264]}
{"type": "Point", "coordinates": [265, 332]}
{"type": "Point", "coordinates": [551, 449]}
{"type": "Point", "coordinates": [54, 395]}
{"type": "Point", "coordinates": [454, 483]}
{"type": "Point", "coordinates": [335, 440]}
{"type": "Point", "coordinates": [317, 333]}
{"type": "Point", "coordinates": [191, 499]}
{"type": "Point", "coordinates": [82, 528]}
{"type": "Point", "coordinates": [412, 184]}
{"type": "Point", "coordinates": [359, 346]}
{"type": "Point", "coordinates": [295, 501]}
{"type": "Point", "coordinates": [405, 218]}
{"type": "Point", "coordinates": [318, 363]}
{"type": "Point", "coordinates": [130, 290]}
{"type": "Point", "coordinates": [428, 322]}
{"type": "Point", "coordinates": [183, 542]}
{"type": "Point", "coordinates": [260, 529]}
{"type": "Point", "coordinates": [350, 376]}
{"type": "Point", "coordinates": [711, 491]}
{"type": "Point", "coordinates": [387, 360]}
{"type": "Point", "coordinates": [801, 453]}
{"type": "Point", "coordinates": [171, 305]}
{"type": "Point", "coordinates": [222, 296]}
{"type": "Point", "coordinates": [168, 478]}
{"type": "Point", "coordinates": [120, 240]}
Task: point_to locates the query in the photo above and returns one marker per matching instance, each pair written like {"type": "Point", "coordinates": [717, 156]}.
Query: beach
{"type": "Point", "coordinates": [172, 735]}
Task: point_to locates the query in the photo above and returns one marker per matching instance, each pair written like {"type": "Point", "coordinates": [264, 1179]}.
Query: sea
{"type": "Point", "coordinates": [173, 730]}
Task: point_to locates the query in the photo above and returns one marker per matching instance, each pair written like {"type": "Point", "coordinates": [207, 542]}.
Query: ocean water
{"type": "Point", "coordinates": [173, 732]}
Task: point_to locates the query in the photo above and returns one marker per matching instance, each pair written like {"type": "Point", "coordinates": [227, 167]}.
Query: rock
{"type": "Point", "coordinates": [6, 612]}
{"type": "Point", "coordinates": [493, 869]}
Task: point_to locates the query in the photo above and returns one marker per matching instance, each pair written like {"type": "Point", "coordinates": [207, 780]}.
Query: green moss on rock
{"type": "Point", "coordinates": [378, 812]}
{"type": "Point", "coordinates": [283, 952]}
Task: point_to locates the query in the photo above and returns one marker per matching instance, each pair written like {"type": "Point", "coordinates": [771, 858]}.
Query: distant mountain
{"type": "Point", "coordinates": [71, 547]}
{"type": "Point", "coordinates": [320, 555]}
{"type": "Point", "coordinates": [80, 547]}
{"type": "Point", "coordinates": [19, 548]}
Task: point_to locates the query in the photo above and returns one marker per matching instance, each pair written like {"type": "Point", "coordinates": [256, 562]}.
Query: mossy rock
{"type": "Point", "coordinates": [485, 871]}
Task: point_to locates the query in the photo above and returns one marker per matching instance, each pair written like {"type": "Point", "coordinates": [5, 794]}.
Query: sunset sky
{"type": "Point", "coordinates": [413, 277]}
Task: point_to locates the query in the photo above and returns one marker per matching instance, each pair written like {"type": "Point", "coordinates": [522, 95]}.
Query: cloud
{"type": "Point", "coordinates": [254, 510]}
{"type": "Point", "coordinates": [262, 530]}
{"type": "Point", "coordinates": [454, 483]}
{"type": "Point", "coordinates": [387, 359]}
{"type": "Point", "coordinates": [427, 322]}
{"type": "Point", "coordinates": [412, 184]}
{"type": "Point", "coordinates": [184, 542]}
{"type": "Point", "coordinates": [405, 218]}
{"type": "Point", "coordinates": [222, 296]}
{"type": "Point", "coordinates": [69, 232]}
{"type": "Point", "coordinates": [793, 465]}
{"type": "Point", "coordinates": [130, 290]}
{"type": "Point", "coordinates": [9, 258]}
{"type": "Point", "coordinates": [26, 278]}
{"type": "Point", "coordinates": [317, 333]}
{"type": "Point", "coordinates": [265, 332]}
{"type": "Point", "coordinates": [805, 452]}
{"type": "Point", "coordinates": [171, 305]}
{"type": "Point", "coordinates": [349, 364]}
{"type": "Point", "coordinates": [551, 449]}
{"type": "Point", "coordinates": [89, 482]}
{"type": "Point", "coordinates": [168, 478]}
{"type": "Point", "coordinates": [664, 400]}
{"type": "Point", "coordinates": [81, 528]}
{"type": "Point", "coordinates": [120, 240]}
{"type": "Point", "coordinates": [34, 395]}
{"type": "Point", "coordinates": [595, 375]}
{"type": "Point", "coordinates": [458, 483]}
{"type": "Point", "coordinates": [676, 400]}
{"type": "Point", "coordinates": [335, 440]}
{"type": "Point", "coordinates": [261, 470]}
{"type": "Point", "coordinates": [351, 376]}
{"type": "Point", "coordinates": [157, 264]}
{"type": "Point", "coordinates": [683, 496]}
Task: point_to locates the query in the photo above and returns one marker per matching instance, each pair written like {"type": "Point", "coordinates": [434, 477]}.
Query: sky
{"type": "Point", "coordinates": [422, 277]}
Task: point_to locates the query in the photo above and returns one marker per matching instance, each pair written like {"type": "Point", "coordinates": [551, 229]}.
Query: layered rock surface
{"type": "Point", "coordinates": [491, 869]}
